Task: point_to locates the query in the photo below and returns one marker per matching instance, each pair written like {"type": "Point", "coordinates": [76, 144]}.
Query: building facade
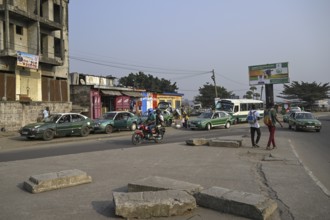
{"type": "Point", "coordinates": [34, 50]}
{"type": "Point", "coordinates": [34, 64]}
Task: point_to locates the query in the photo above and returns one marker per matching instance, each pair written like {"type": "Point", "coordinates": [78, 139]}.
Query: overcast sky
{"type": "Point", "coordinates": [183, 40]}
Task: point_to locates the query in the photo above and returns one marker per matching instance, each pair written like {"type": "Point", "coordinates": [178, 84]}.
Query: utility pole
{"type": "Point", "coordinates": [215, 85]}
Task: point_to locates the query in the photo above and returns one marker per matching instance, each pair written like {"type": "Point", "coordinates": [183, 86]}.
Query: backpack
{"type": "Point", "coordinates": [252, 117]}
{"type": "Point", "coordinates": [267, 118]}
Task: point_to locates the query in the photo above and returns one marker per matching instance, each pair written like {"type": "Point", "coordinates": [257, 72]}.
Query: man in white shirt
{"type": "Point", "coordinates": [255, 127]}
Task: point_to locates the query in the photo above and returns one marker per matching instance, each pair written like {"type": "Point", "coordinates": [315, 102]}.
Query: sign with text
{"type": "Point", "coordinates": [276, 73]}
{"type": "Point", "coordinates": [27, 60]}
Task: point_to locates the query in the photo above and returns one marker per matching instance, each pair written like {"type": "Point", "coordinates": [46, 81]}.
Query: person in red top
{"type": "Point", "coordinates": [272, 126]}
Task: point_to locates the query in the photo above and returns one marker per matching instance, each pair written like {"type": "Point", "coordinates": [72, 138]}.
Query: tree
{"type": "Point", "coordinates": [207, 94]}
{"type": "Point", "coordinates": [308, 92]}
{"type": "Point", "coordinates": [251, 94]}
{"type": "Point", "coordinates": [148, 82]}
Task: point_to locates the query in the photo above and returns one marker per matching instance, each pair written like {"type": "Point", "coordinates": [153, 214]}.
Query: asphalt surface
{"type": "Point", "coordinates": [278, 174]}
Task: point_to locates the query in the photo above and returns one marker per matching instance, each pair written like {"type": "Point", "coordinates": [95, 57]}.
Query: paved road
{"type": "Point", "coordinates": [281, 176]}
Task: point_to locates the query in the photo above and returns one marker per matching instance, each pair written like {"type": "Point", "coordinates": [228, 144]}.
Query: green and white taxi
{"type": "Point", "coordinates": [208, 120]}
{"type": "Point", "coordinates": [304, 121]}
{"type": "Point", "coordinates": [58, 124]}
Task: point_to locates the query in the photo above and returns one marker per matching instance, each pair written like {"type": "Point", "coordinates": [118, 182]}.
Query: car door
{"type": "Point", "coordinates": [216, 119]}
{"type": "Point", "coordinates": [120, 121]}
{"type": "Point", "coordinates": [64, 125]}
{"type": "Point", "coordinates": [77, 122]}
{"type": "Point", "coordinates": [291, 118]}
{"type": "Point", "coordinates": [130, 119]}
{"type": "Point", "coordinates": [223, 118]}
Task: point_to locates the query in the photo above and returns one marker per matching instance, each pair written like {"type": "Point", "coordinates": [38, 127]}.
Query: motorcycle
{"type": "Point", "coordinates": [143, 134]}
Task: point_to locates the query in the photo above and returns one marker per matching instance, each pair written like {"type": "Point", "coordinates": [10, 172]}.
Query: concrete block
{"type": "Point", "coordinates": [153, 204]}
{"type": "Point", "coordinates": [244, 204]}
{"type": "Point", "coordinates": [238, 140]}
{"type": "Point", "coordinates": [156, 183]}
{"type": "Point", "coordinates": [197, 141]}
{"type": "Point", "coordinates": [224, 143]}
{"type": "Point", "coordinates": [56, 180]}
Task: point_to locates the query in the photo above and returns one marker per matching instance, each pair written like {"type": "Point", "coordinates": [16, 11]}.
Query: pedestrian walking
{"type": "Point", "coordinates": [270, 119]}
{"type": "Point", "coordinates": [252, 118]}
{"type": "Point", "coordinates": [46, 112]}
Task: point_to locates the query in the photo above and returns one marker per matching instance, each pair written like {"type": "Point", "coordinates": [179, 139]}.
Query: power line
{"type": "Point", "coordinates": [137, 67]}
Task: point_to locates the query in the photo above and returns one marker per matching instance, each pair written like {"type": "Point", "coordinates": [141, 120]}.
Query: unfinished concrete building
{"type": "Point", "coordinates": [34, 50]}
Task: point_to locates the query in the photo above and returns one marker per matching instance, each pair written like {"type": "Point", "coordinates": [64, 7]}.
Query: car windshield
{"type": "Point", "coordinates": [109, 115]}
{"type": "Point", "coordinates": [304, 116]}
{"type": "Point", "coordinates": [205, 115]}
{"type": "Point", "coordinates": [52, 118]}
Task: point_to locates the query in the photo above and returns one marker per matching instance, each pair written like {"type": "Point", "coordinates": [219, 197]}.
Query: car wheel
{"type": "Point", "coordinates": [84, 131]}
{"type": "Point", "coordinates": [136, 139]}
{"type": "Point", "coordinates": [48, 135]}
{"type": "Point", "coordinates": [294, 127]}
{"type": "Point", "coordinates": [290, 127]}
{"type": "Point", "coordinates": [227, 124]}
{"type": "Point", "coordinates": [318, 130]}
{"type": "Point", "coordinates": [108, 129]}
{"type": "Point", "coordinates": [208, 126]}
{"type": "Point", "coordinates": [133, 127]}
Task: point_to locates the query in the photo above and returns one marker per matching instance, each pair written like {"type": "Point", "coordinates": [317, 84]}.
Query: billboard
{"type": "Point", "coordinates": [275, 73]}
{"type": "Point", "coordinates": [27, 60]}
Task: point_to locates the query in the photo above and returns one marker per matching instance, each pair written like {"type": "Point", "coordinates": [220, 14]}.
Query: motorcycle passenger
{"type": "Point", "coordinates": [151, 120]}
{"type": "Point", "coordinates": [159, 119]}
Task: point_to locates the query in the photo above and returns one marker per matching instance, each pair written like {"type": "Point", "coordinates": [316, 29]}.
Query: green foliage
{"type": "Point", "coordinates": [251, 94]}
{"type": "Point", "coordinates": [207, 94]}
{"type": "Point", "coordinates": [308, 92]}
{"type": "Point", "coordinates": [148, 82]}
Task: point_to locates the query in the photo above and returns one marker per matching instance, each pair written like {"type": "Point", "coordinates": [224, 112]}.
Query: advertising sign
{"type": "Point", "coordinates": [276, 73]}
{"type": "Point", "coordinates": [27, 60]}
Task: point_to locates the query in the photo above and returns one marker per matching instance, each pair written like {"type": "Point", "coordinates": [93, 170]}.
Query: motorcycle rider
{"type": "Point", "coordinates": [151, 120]}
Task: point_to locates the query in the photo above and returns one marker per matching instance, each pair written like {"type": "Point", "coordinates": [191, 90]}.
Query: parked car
{"type": "Point", "coordinates": [58, 124]}
{"type": "Point", "coordinates": [116, 120]}
{"type": "Point", "coordinates": [208, 120]}
{"type": "Point", "coordinates": [304, 121]}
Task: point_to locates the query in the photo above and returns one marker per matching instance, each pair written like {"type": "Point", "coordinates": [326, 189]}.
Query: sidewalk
{"type": "Point", "coordinates": [280, 176]}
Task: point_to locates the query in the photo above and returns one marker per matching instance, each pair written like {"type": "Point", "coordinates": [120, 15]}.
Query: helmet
{"type": "Point", "coordinates": [158, 111]}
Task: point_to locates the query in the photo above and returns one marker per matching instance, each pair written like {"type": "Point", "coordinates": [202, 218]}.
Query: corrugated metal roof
{"type": "Point", "coordinates": [111, 92]}
{"type": "Point", "coordinates": [132, 94]}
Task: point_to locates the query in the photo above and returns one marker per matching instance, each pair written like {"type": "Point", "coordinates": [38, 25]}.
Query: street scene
{"type": "Point", "coordinates": [164, 110]}
{"type": "Point", "coordinates": [292, 174]}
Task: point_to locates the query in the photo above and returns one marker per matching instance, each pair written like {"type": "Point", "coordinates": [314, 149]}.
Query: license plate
{"type": "Point", "coordinates": [24, 132]}
{"type": "Point", "coordinates": [310, 126]}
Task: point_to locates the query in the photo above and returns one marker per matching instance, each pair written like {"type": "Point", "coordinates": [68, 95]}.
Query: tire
{"type": "Point", "coordinates": [48, 135]}
{"type": "Point", "coordinates": [294, 127]}
{"type": "Point", "coordinates": [84, 131]}
{"type": "Point", "coordinates": [108, 129]}
{"type": "Point", "coordinates": [160, 137]}
{"type": "Point", "coordinates": [227, 125]}
{"type": "Point", "coordinates": [208, 127]}
{"type": "Point", "coordinates": [133, 127]}
{"type": "Point", "coordinates": [136, 139]}
{"type": "Point", "coordinates": [290, 127]}
{"type": "Point", "coordinates": [318, 130]}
